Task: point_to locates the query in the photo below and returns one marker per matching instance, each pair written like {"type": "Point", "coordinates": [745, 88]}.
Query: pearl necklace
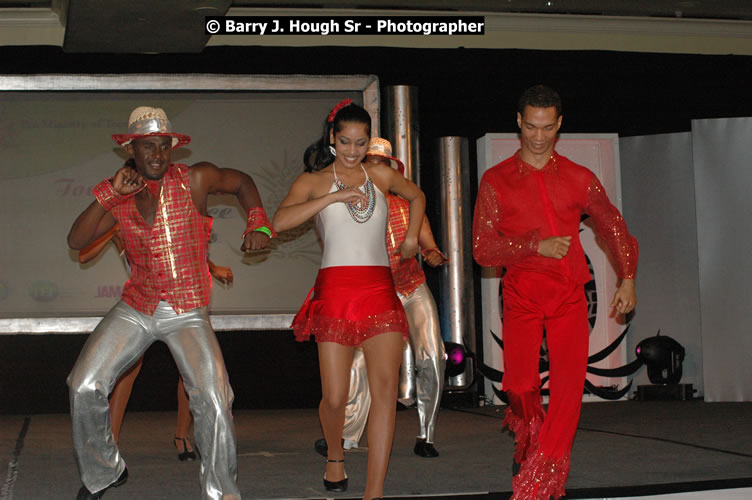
{"type": "Point", "coordinates": [359, 213]}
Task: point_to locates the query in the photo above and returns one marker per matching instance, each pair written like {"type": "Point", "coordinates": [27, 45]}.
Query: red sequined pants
{"type": "Point", "coordinates": [532, 302]}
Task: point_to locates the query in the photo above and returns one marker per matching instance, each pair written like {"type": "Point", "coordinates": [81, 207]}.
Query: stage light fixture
{"type": "Point", "coordinates": [456, 358]}
{"type": "Point", "coordinates": [663, 357]}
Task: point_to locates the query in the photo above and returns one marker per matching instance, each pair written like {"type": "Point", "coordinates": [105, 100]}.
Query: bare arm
{"type": "Point", "coordinates": [300, 204]}
{"type": "Point", "coordinates": [221, 273]}
{"type": "Point", "coordinates": [398, 184]}
{"type": "Point", "coordinates": [425, 237]}
{"type": "Point", "coordinates": [431, 253]}
{"type": "Point", "coordinates": [93, 222]}
{"type": "Point", "coordinates": [207, 178]}
{"type": "Point", "coordinates": [95, 248]}
{"type": "Point", "coordinates": [625, 298]}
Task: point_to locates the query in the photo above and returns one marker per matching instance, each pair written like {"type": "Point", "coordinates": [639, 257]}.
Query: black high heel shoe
{"type": "Point", "coordinates": [185, 455]}
{"type": "Point", "coordinates": [336, 486]}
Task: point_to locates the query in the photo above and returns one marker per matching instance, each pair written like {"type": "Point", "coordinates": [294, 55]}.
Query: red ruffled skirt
{"type": "Point", "coordinates": [349, 304]}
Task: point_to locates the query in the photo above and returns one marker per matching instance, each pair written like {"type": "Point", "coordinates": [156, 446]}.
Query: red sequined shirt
{"type": "Point", "coordinates": [168, 259]}
{"type": "Point", "coordinates": [407, 274]}
{"type": "Point", "coordinates": [519, 205]}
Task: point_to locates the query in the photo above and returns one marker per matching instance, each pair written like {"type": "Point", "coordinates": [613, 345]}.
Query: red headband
{"type": "Point", "coordinates": [342, 104]}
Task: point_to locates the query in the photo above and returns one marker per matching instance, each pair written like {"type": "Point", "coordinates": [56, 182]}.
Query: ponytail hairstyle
{"type": "Point", "coordinates": [317, 155]}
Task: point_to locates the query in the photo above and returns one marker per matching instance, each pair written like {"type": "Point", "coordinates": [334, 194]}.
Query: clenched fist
{"type": "Point", "coordinates": [556, 247]}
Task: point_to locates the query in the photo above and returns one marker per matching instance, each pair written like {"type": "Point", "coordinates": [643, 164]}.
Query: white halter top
{"type": "Point", "coordinates": [349, 243]}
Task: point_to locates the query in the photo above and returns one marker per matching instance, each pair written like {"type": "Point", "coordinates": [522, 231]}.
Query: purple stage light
{"type": "Point", "coordinates": [456, 356]}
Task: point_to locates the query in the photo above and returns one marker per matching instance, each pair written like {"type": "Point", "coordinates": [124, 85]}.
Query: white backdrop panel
{"type": "Point", "coordinates": [722, 160]}
{"type": "Point", "coordinates": [55, 146]}
{"type": "Point", "coordinates": [658, 189]}
{"type": "Point", "coordinates": [600, 153]}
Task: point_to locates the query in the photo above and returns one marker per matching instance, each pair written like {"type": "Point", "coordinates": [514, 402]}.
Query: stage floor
{"type": "Point", "coordinates": [623, 449]}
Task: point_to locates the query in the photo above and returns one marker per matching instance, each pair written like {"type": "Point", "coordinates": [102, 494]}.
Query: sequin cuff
{"type": "Point", "coordinates": [499, 250]}
{"type": "Point", "coordinates": [107, 196]}
{"type": "Point", "coordinates": [257, 219]}
{"type": "Point", "coordinates": [541, 478]}
{"type": "Point", "coordinates": [525, 433]}
{"type": "Point", "coordinates": [491, 247]}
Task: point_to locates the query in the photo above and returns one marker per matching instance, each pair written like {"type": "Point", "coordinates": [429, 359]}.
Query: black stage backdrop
{"type": "Point", "coordinates": [468, 92]}
{"type": "Point", "coordinates": [461, 92]}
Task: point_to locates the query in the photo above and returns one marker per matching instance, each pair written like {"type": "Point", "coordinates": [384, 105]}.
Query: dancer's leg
{"type": "Point", "coordinates": [118, 341]}
{"type": "Point", "coordinates": [523, 334]}
{"type": "Point", "coordinates": [383, 357]}
{"type": "Point", "coordinates": [120, 396]}
{"type": "Point", "coordinates": [184, 419]}
{"type": "Point", "coordinates": [546, 467]}
{"type": "Point", "coordinates": [196, 351]}
{"type": "Point", "coordinates": [406, 388]}
{"type": "Point", "coordinates": [428, 349]}
{"type": "Point", "coordinates": [358, 401]}
{"type": "Point", "coordinates": [334, 364]}
{"type": "Point", "coordinates": [567, 337]}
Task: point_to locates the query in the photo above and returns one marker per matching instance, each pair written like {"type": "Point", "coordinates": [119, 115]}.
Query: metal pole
{"type": "Point", "coordinates": [400, 127]}
{"type": "Point", "coordinates": [400, 118]}
{"type": "Point", "coordinates": [457, 302]}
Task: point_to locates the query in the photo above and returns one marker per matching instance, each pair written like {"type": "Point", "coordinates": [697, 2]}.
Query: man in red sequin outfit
{"type": "Point", "coordinates": [527, 218]}
{"type": "Point", "coordinates": [161, 209]}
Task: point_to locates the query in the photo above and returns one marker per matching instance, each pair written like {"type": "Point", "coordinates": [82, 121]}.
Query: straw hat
{"type": "Point", "coordinates": [147, 121]}
{"type": "Point", "coordinates": [381, 147]}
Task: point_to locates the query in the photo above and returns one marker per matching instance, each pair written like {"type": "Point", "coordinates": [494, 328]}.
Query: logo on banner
{"type": "Point", "coordinates": [221, 212]}
{"type": "Point", "coordinates": [43, 291]}
{"type": "Point", "coordinates": [71, 187]}
{"type": "Point", "coordinates": [109, 291]}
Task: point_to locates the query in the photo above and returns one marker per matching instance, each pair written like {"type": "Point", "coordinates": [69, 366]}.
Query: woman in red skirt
{"type": "Point", "coordinates": [353, 301]}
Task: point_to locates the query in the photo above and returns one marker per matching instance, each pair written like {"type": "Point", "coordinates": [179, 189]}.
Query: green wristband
{"type": "Point", "coordinates": [265, 230]}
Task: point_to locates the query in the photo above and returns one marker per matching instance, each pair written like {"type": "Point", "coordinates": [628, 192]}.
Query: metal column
{"type": "Point", "coordinates": [401, 127]}
{"type": "Point", "coordinates": [457, 301]}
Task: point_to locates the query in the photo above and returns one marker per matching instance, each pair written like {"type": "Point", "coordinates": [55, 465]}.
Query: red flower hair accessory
{"type": "Point", "coordinates": [342, 104]}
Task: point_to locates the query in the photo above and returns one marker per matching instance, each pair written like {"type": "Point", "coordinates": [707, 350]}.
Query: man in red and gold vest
{"type": "Point", "coordinates": [423, 365]}
{"type": "Point", "coordinates": [161, 209]}
{"type": "Point", "coordinates": [527, 219]}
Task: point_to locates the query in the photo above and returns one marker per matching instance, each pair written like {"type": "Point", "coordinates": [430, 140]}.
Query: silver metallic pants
{"type": "Point", "coordinates": [421, 375]}
{"type": "Point", "coordinates": [119, 341]}
{"type": "Point", "coordinates": [358, 400]}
